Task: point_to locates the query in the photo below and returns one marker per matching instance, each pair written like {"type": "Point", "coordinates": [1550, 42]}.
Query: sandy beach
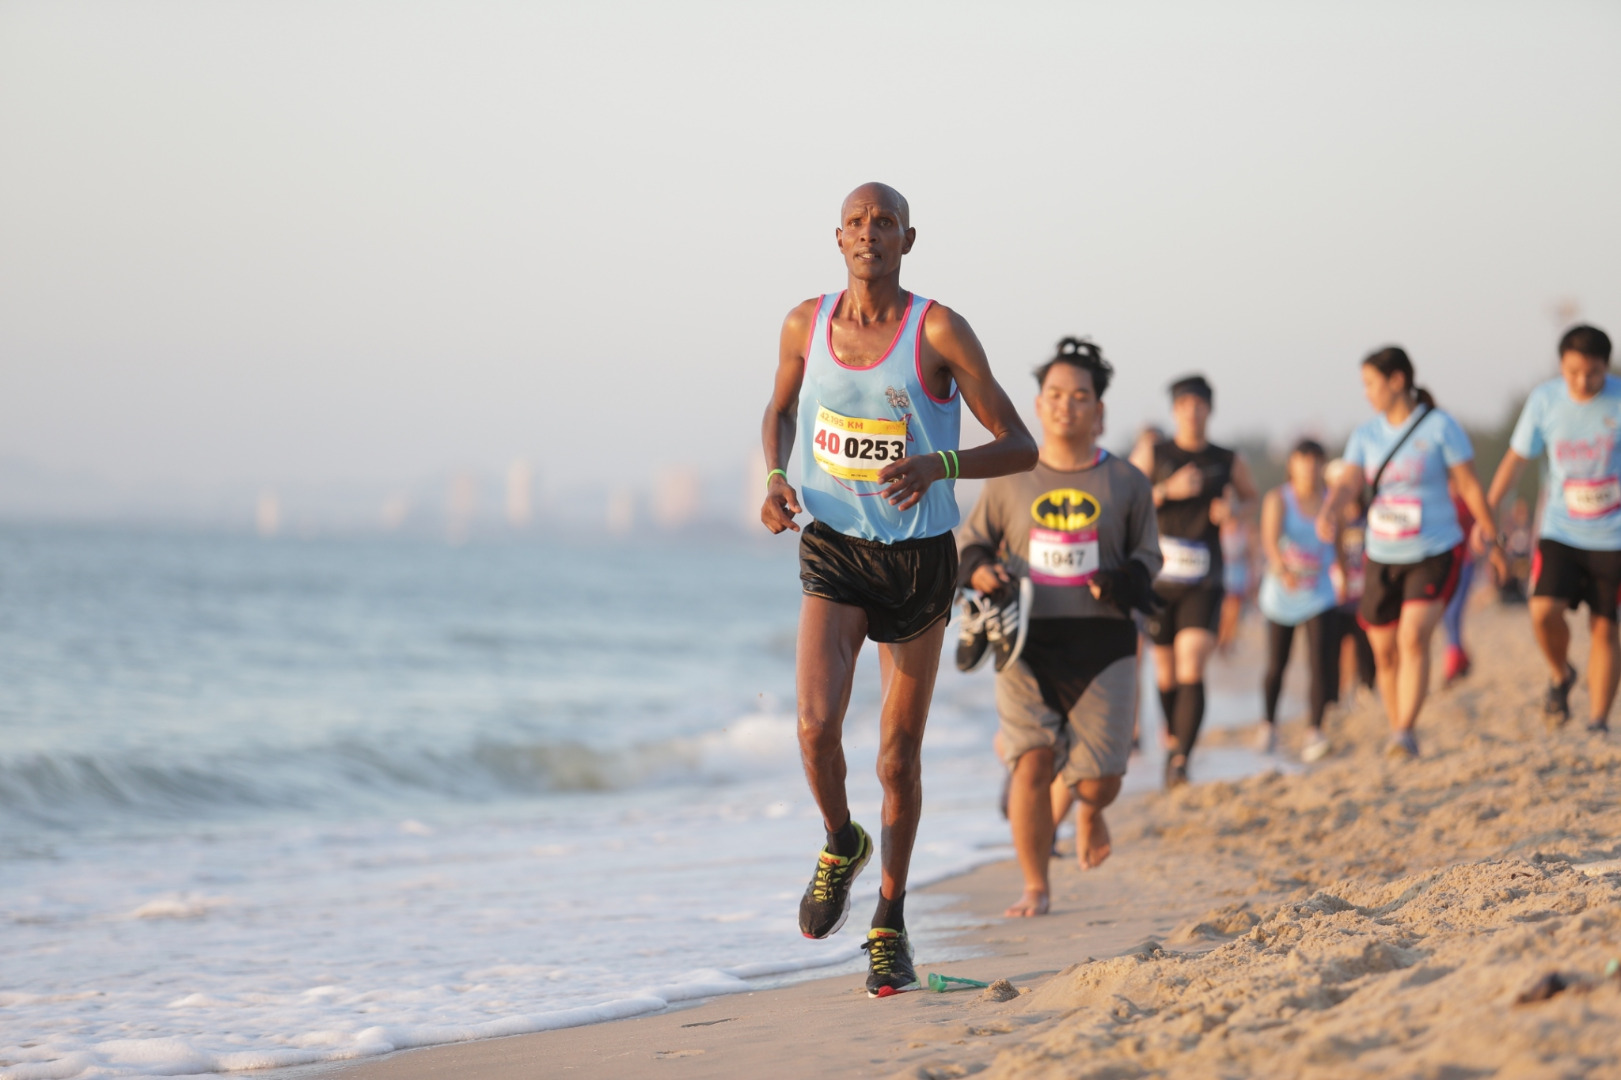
{"type": "Point", "coordinates": [1362, 917]}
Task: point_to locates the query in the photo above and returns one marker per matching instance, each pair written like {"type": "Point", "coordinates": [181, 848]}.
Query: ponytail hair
{"type": "Point", "coordinates": [1392, 359]}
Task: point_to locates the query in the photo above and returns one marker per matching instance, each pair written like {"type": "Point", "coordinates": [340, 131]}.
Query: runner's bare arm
{"type": "Point", "coordinates": [1347, 488]}
{"type": "Point", "coordinates": [1508, 473]}
{"type": "Point", "coordinates": [1485, 534]}
{"type": "Point", "coordinates": [1271, 531]}
{"type": "Point", "coordinates": [1339, 556]}
{"type": "Point", "coordinates": [1142, 456]}
{"type": "Point", "coordinates": [1243, 485]}
{"type": "Point", "coordinates": [1184, 483]}
{"type": "Point", "coordinates": [949, 346]}
{"type": "Point", "coordinates": [1145, 549]}
{"type": "Point", "coordinates": [781, 413]}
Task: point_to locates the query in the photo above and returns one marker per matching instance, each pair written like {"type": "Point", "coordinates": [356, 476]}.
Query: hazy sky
{"type": "Point", "coordinates": [307, 242]}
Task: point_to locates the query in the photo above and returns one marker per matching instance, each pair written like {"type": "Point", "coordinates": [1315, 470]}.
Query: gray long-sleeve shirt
{"type": "Point", "coordinates": [1083, 521]}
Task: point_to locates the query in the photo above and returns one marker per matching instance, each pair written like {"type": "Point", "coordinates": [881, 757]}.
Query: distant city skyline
{"type": "Point", "coordinates": [355, 251]}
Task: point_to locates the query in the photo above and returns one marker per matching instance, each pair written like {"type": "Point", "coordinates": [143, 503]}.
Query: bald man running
{"type": "Point", "coordinates": [869, 381]}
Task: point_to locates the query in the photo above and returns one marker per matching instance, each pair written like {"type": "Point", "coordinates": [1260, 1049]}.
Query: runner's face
{"type": "Point", "coordinates": [1382, 392]}
{"type": "Point", "coordinates": [1191, 413]}
{"type": "Point", "coordinates": [1067, 407]}
{"type": "Point", "coordinates": [872, 237]}
{"type": "Point", "coordinates": [1305, 472]}
{"type": "Point", "coordinates": [1583, 375]}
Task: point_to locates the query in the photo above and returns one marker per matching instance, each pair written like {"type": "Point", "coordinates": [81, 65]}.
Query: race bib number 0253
{"type": "Point", "coordinates": [855, 448]}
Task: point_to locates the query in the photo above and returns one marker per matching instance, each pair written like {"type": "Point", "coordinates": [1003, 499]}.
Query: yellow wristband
{"type": "Point", "coordinates": [774, 472]}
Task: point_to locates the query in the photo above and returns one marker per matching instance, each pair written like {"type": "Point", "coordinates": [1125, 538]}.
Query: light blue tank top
{"type": "Point", "coordinates": [854, 421]}
{"type": "Point", "coordinates": [1310, 558]}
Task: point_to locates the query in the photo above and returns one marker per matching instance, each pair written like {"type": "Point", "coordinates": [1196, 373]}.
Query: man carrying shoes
{"type": "Point", "coordinates": [1082, 528]}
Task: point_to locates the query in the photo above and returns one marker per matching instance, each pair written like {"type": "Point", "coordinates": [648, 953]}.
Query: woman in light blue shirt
{"type": "Point", "coordinates": [1404, 457]}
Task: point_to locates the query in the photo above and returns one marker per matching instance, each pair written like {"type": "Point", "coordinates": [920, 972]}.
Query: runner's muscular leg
{"type": "Point", "coordinates": [1386, 668]}
{"type": "Point", "coordinates": [907, 669]}
{"type": "Point", "coordinates": [1192, 653]}
{"type": "Point", "coordinates": [1165, 680]}
{"type": "Point", "coordinates": [1603, 668]}
{"type": "Point", "coordinates": [1413, 632]}
{"type": "Point", "coordinates": [830, 637]}
{"type": "Point", "coordinates": [1092, 842]}
{"type": "Point", "coordinates": [1165, 666]}
{"type": "Point", "coordinates": [1063, 797]}
{"type": "Point", "coordinates": [1552, 633]}
{"type": "Point", "coordinates": [1030, 814]}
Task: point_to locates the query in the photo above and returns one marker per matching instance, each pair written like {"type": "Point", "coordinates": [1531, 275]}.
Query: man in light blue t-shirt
{"type": "Point", "coordinates": [1576, 421]}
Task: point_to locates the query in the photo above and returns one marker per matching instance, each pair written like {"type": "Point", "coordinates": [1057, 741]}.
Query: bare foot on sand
{"type": "Point", "coordinates": [1033, 902]}
{"type": "Point", "coordinates": [1091, 838]}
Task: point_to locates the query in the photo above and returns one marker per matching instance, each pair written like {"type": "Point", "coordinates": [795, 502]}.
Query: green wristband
{"type": "Point", "coordinates": [956, 466]}
{"type": "Point", "coordinates": [774, 472]}
{"type": "Point", "coordinates": [945, 462]}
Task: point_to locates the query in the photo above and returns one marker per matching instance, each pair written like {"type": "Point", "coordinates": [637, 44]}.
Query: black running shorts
{"type": "Point", "coordinates": [1577, 576]}
{"type": "Point", "coordinates": [904, 588]}
{"type": "Point", "coordinates": [1195, 607]}
{"type": "Point", "coordinates": [1390, 585]}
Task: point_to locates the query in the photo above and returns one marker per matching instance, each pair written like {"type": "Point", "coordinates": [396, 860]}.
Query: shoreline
{"type": "Point", "coordinates": [1094, 911]}
{"type": "Point", "coordinates": [1225, 755]}
{"type": "Point", "coordinates": [1364, 916]}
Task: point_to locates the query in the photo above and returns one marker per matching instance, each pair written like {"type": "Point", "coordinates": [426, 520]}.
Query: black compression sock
{"type": "Point", "coordinates": [844, 842]}
{"type": "Point", "coordinates": [891, 914]}
{"type": "Point", "coordinates": [1188, 716]}
{"type": "Point", "coordinates": [1167, 703]}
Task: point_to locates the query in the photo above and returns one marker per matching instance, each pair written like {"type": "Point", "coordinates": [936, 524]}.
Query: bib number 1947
{"type": "Point", "coordinates": [856, 448]}
{"type": "Point", "coordinates": [1063, 558]}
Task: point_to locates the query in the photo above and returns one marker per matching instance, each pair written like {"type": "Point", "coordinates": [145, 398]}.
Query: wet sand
{"type": "Point", "coordinates": [1360, 917]}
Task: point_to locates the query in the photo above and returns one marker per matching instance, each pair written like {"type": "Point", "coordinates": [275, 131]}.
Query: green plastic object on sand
{"type": "Point", "coordinates": [941, 983]}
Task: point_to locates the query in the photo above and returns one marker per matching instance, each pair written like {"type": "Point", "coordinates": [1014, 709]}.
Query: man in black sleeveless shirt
{"type": "Point", "coordinates": [1196, 485]}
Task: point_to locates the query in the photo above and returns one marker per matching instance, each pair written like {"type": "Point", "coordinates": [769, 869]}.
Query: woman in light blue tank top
{"type": "Point", "coordinates": [1297, 589]}
{"type": "Point", "coordinates": [854, 421]}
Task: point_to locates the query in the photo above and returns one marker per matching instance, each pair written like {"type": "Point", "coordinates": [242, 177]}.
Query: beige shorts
{"type": "Point", "coordinates": [1092, 742]}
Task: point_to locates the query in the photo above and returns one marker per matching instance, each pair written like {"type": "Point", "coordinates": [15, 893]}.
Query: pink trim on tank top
{"type": "Point", "coordinates": [810, 338]}
{"type": "Point", "coordinates": [911, 298]}
{"type": "Point", "coordinates": [917, 362]}
{"type": "Point", "coordinates": [861, 494]}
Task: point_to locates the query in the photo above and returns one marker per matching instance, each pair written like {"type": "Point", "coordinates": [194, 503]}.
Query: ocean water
{"type": "Point", "coordinates": [274, 803]}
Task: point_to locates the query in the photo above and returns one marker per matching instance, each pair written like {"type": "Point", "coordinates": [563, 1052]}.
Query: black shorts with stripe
{"type": "Point", "coordinates": [1577, 576]}
{"type": "Point", "coordinates": [904, 588]}
{"type": "Point", "coordinates": [1390, 585]}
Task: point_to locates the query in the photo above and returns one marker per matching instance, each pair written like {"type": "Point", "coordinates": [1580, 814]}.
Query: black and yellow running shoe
{"type": "Point", "coordinates": [826, 903]}
{"type": "Point", "coordinates": [889, 962]}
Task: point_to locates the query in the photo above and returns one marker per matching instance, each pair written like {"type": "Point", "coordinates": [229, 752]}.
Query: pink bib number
{"type": "Point", "coordinates": [1593, 498]}
{"type": "Point", "coordinates": [1394, 518]}
{"type": "Point", "coordinates": [1063, 557]}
